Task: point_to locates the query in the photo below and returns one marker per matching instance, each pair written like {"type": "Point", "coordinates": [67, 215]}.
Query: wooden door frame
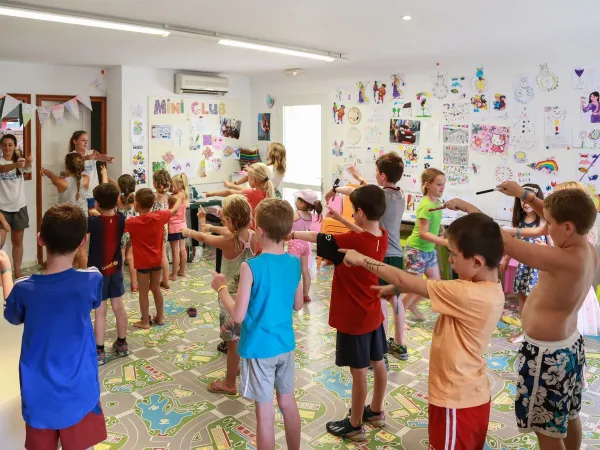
{"type": "Point", "coordinates": [25, 98]}
{"type": "Point", "coordinates": [39, 99]}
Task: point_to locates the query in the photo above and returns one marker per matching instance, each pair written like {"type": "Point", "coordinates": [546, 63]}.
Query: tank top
{"type": "Point", "coordinates": [301, 224]}
{"type": "Point", "coordinates": [231, 267]}
{"type": "Point", "coordinates": [70, 194]}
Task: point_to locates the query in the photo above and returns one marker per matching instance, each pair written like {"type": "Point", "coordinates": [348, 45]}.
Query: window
{"type": "Point", "coordinates": [302, 140]}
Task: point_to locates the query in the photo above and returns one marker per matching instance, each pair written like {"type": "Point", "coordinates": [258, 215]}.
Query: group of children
{"type": "Point", "coordinates": [261, 284]}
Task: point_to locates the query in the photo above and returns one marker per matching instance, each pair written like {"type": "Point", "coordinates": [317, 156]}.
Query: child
{"type": "Point", "coordinates": [162, 183]}
{"type": "Point", "coordinates": [58, 368]}
{"type": "Point", "coordinates": [269, 288]}
{"type": "Point", "coordinates": [176, 225]}
{"type": "Point", "coordinates": [524, 217]}
{"type": "Point", "coordinates": [106, 232]}
{"type": "Point", "coordinates": [550, 368]}
{"type": "Point", "coordinates": [277, 166]}
{"type": "Point", "coordinates": [419, 255]}
{"type": "Point", "coordinates": [355, 310]}
{"type": "Point", "coordinates": [73, 188]}
{"type": "Point", "coordinates": [306, 202]}
{"type": "Point", "coordinates": [4, 230]}
{"type": "Point", "coordinates": [125, 206]}
{"type": "Point", "coordinates": [237, 247]}
{"type": "Point", "coordinates": [469, 308]}
{"type": "Point", "coordinates": [146, 233]}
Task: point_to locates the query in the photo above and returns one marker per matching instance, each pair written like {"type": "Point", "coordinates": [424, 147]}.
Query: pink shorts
{"type": "Point", "coordinates": [297, 247]}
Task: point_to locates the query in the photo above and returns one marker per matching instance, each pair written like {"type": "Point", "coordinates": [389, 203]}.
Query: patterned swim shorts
{"type": "Point", "coordinates": [416, 261]}
{"type": "Point", "coordinates": [550, 377]}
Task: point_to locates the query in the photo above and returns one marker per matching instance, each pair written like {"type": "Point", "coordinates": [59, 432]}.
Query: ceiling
{"type": "Point", "coordinates": [370, 34]}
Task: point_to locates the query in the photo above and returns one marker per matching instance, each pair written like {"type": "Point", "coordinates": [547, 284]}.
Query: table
{"type": "Point", "coordinates": [193, 207]}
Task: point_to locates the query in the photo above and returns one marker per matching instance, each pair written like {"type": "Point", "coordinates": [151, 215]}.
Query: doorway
{"type": "Point", "coordinates": [52, 144]}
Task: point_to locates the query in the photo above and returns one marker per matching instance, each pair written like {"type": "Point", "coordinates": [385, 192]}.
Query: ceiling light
{"type": "Point", "coordinates": [406, 17]}
{"type": "Point", "coordinates": [293, 72]}
{"type": "Point", "coordinates": [272, 49]}
{"type": "Point", "coordinates": [76, 20]}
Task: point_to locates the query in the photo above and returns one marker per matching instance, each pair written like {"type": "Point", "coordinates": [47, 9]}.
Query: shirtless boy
{"type": "Point", "coordinates": [551, 359]}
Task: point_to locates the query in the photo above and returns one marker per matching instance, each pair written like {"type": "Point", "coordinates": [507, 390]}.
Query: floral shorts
{"type": "Point", "coordinates": [549, 382]}
{"type": "Point", "coordinates": [230, 331]}
{"type": "Point", "coordinates": [416, 261]}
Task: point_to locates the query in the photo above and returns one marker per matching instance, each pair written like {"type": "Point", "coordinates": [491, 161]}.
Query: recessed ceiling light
{"type": "Point", "coordinates": [406, 17]}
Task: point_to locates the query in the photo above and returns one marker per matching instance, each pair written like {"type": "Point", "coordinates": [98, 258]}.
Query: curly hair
{"type": "Point", "coordinates": [75, 165]}
{"type": "Point", "coordinates": [162, 181]}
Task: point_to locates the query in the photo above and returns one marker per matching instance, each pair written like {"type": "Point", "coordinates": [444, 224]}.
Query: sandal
{"type": "Point", "coordinates": [215, 389]}
{"type": "Point", "coordinates": [222, 347]}
{"type": "Point", "coordinates": [192, 312]}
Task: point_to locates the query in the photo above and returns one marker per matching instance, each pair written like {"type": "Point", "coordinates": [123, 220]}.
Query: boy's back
{"type": "Point", "coordinates": [58, 366]}
{"type": "Point", "coordinates": [469, 312]}
{"type": "Point", "coordinates": [105, 242]}
{"type": "Point", "coordinates": [391, 220]}
{"type": "Point", "coordinates": [146, 232]}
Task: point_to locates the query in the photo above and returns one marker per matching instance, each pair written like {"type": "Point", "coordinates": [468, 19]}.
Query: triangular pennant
{"type": "Point", "coordinates": [73, 107]}
{"type": "Point", "coordinates": [85, 101]}
{"type": "Point", "coordinates": [98, 83]}
{"type": "Point", "coordinates": [58, 111]}
{"type": "Point", "coordinates": [10, 103]}
{"type": "Point", "coordinates": [43, 115]}
{"type": "Point", "coordinates": [27, 112]}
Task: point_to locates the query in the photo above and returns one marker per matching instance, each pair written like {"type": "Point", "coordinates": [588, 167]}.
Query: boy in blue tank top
{"type": "Point", "coordinates": [269, 289]}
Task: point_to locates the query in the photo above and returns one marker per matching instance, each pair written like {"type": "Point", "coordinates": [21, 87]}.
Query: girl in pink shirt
{"type": "Point", "coordinates": [176, 225]}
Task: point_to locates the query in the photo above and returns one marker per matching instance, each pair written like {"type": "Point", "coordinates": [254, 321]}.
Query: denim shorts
{"type": "Point", "coordinates": [416, 261]}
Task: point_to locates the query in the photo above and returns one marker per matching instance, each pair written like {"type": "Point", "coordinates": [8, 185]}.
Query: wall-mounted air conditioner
{"type": "Point", "coordinates": [200, 84]}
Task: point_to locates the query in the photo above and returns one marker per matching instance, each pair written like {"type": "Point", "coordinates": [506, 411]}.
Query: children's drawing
{"type": "Point", "coordinates": [490, 139]}
{"type": "Point", "coordinates": [440, 90]}
{"type": "Point", "coordinates": [456, 175]}
{"type": "Point", "coordinates": [338, 113]}
{"type": "Point", "coordinates": [168, 157]}
{"type": "Point", "coordinates": [373, 133]}
{"type": "Point", "coordinates": [354, 115]}
{"type": "Point", "coordinates": [583, 77]}
{"type": "Point", "coordinates": [556, 132]}
{"type": "Point", "coordinates": [503, 173]}
{"type": "Point", "coordinates": [207, 153]}
{"type": "Point", "coordinates": [178, 136]}
{"type": "Point", "coordinates": [410, 156]}
{"type": "Point", "coordinates": [343, 95]}
{"type": "Point", "coordinates": [412, 201]}
{"type": "Point", "coordinates": [424, 108]}
{"type": "Point", "coordinates": [523, 89]}
{"type": "Point", "coordinates": [160, 132]}
{"type": "Point", "coordinates": [158, 165]}
{"type": "Point", "coordinates": [264, 126]}
{"type": "Point", "coordinates": [401, 109]}
{"type": "Point", "coordinates": [137, 131]}
{"type": "Point", "coordinates": [524, 177]}
{"type": "Point", "coordinates": [270, 101]}
{"type": "Point", "coordinates": [456, 112]}
{"type": "Point", "coordinates": [428, 156]}
{"type": "Point", "coordinates": [585, 161]}
{"type": "Point", "coordinates": [500, 110]}
{"type": "Point", "coordinates": [458, 88]}
{"type": "Point", "coordinates": [520, 157]}
{"type": "Point", "coordinates": [479, 104]}
{"type": "Point", "coordinates": [375, 115]}
{"type": "Point", "coordinates": [374, 152]}
{"type": "Point", "coordinates": [337, 149]}
{"type": "Point", "coordinates": [523, 129]}
{"type": "Point", "coordinates": [405, 131]}
{"type": "Point", "coordinates": [398, 85]}
{"type": "Point", "coordinates": [479, 82]}
{"type": "Point", "coordinates": [549, 166]}
{"type": "Point", "coordinates": [230, 128]}
{"type": "Point", "coordinates": [379, 91]}
{"type": "Point", "coordinates": [362, 97]}
{"type": "Point", "coordinates": [456, 155]}
{"type": "Point", "coordinates": [546, 80]}
{"type": "Point", "coordinates": [207, 139]}
{"type": "Point", "coordinates": [589, 139]}
{"type": "Point", "coordinates": [353, 136]}
{"type": "Point", "coordinates": [476, 168]}
{"type": "Point", "coordinates": [590, 108]}
{"type": "Point", "coordinates": [137, 155]}
{"type": "Point", "coordinates": [217, 142]}
{"type": "Point", "coordinates": [456, 134]}
{"type": "Point", "coordinates": [139, 175]}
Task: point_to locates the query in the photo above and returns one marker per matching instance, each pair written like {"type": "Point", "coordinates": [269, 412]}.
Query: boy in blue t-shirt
{"type": "Point", "coordinates": [269, 289]}
{"type": "Point", "coordinates": [106, 231]}
{"type": "Point", "coordinates": [58, 368]}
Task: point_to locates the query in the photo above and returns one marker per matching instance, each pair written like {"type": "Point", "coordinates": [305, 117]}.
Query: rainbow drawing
{"type": "Point", "coordinates": [547, 165]}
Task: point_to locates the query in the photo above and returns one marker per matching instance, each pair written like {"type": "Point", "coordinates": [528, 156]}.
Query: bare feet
{"type": "Point", "coordinates": [517, 338]}
{"type": "Point", "coordinates": [182, 275]}
{"type": "Point", "coordinates": [134, 288]}
{"type": "Point", "coordinates": [141, 324]}
{"type": "Point", "coordinates": [159, 320]}
{"type": "Point", "coordinates": [173, 277]}
{"type": "Point", "coordinates": [164, 285]}
{"type": "Point", "coordinates": [418, 317]}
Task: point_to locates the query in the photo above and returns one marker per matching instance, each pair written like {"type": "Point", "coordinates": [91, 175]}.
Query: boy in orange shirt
{"type": "Point", "coordinates": [469, 309]}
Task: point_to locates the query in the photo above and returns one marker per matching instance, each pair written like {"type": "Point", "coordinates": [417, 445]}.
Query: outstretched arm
{"type": "Point", "coordinates": [352, 170]}
{"type": "Point", "coordinates": [347, 223]}
{"type": "Point", "coordinates": [223, 193]}
{"type": "Point", "coordinates": [60, 183]}
{"type": "Point", "coordinates": [308, 236]}
{"type": "Point", "coordinates": [233, 186]}
{"type": "Point", "coordinates": [242, 180]}
{"type": "Point", "coordinates": [513, 189]}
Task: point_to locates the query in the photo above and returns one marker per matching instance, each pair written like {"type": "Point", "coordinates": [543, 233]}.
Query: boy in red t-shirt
{"type": "Point", "coordinates": [355, 310]}
{"type": "Point", "coordinates": [146, 233]}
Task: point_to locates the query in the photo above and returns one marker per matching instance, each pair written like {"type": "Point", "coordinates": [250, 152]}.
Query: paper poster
{"type": "Point", "coordinates": [440, 89]}
{"type": "Point", "coordinates": [586, 138]}
{"type": "Point", "coordinates": [337, 149]}
{"type": "Point", "coordinates": [583, 77]}
{"type": "Point", "coordinates": [139, 175]}
{"type": "Point", "coordinates": [457, 112]}
{"type": "Point", "coordinates": [379, 92]}
{"type": "Point", "coordinates": [178, 136]}
{"type": "Point", "coordinates": [458, 88]}
{"type": "Point", "coordinates": [401, 109]}
{"type": "Point", "coordinates": [423, 104]}
{"type": "Point", "coordinates": [230, 128]}
{"type": "Point", "coordinates": [264, 126]}
{"type": "Point", "coordinates": [523, 128]}
{"type": "Point", "coordinates": [343, 95]}
{"type": "Point", "coordinates": [405, 131]}
{"type": "Point", "coordinates": [456, 175]}
{"type": "Point", "coordinates": [373, 133]}
{"type": "Point", "coordinates": [398, 84]}
{"type": "Point", "coordinates": [217, 142]}
{"type": "Point", "coordinates": [556, 132]}
{"type": "Point", "coordinates": [206, 139]}
{"type": "Point", "coordinates": [456, 155]}
{"type": "Point", "coordinates": [499, 107]}
{"type": "Point", "coordinates": [590, 109]}
{"type": "Point", "coordinates": [179, 166]}
{"type": "Point", "coordinates": [168, 157]}
{"type": "Point", "coordinates": [361, 94]}
{"type": "Point", "coordinates": [138, 155]}
{"type": "Point", "coordinates": [158, 165]}
{"type": "Point", "coordinates": [456, 134]}
{"type": "Point", "coordinates": [490, 139]}
{"type": "Point", "coordinates": [410, 155]}
{"type": "Point", "coordinates": [520, 157]}
{"type": "Point", "coordinates": [548, 166]}
{"type": "Point", "coordinates": [523, 88]}
{"type": "Point", "coordinates": [480, 81]}
{"type": "Point", "coordinates": [230, 152]}
{"type": "Point", "coordinates": [430, 130]}
{"type": "Point", "coordinates": [546, 80]}
{"type": "Point", "coordinates": [160, 132]}
{"type": "Point", "coordinates": [137, 111]}
{"type": "Point", "coordinates": [215, 164]}
{"type": "Point", "coordinates": [207, 152]}
{"type": "Point", "coordinates": [503, 173]}
{"type": "Point", "coordinates": [339, 112]}
{"type": "Point", "coordinates": [479, 105]}
{"type": "Point", "coordinates": [412, 201]}
{"type": "Point", "coordinates": [137, 131]}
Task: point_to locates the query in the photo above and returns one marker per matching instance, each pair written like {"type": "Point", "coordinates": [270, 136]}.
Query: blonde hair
{"type": "Point", "coordinates": [428, 176]}
{"type": "Point", "coordinates": [276, 157]}
{"type": "Point", "coordinates": [260, 173]}
{"type": "Point", "coordinates": [162, 181]}
{"type": "Point", "coordinates": [237, 209]}
{"type": "Point", "coordinates": [275, 217]}
{"type": "Point", "coordinates": [181, 181]}
{"type": "Point", "coordinates": [593, 234]}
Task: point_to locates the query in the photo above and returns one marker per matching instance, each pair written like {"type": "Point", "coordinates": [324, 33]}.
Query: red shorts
{"type": "Point", "coordinates": [458, 429]}
{"type": "Point", "coordinates": [91, 430]}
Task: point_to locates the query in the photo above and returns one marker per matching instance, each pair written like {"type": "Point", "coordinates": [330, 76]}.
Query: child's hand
{"type": "Point", "coordinates": [352, 257]}
{"type": "Point", "coordinates": [386, 292]}
{"type": "Point", "coordinates": [456, 204]}
{"type": "Point", "coordinates": [229, 184]}
{"type": "Point", "coordinates": [103, 170]}
{"type": "Point", "coordinates": [21, 163]}
{"type": "Point", "coordinates": [110, 159]}
{"type": "Point", "coordinates": [93, 212]}
{"type": "Point", "coordinates": [333, 214]}
{"type": "Point", "coordinates": [511, 188]}
{"type": "Point", "coordinates": [352, 171]}
{"type": "Point", "coordinates": [4, 261]}
{"type": "Point", "coordinates": [504, 264]}
{"type": "Point", "coordinates": [43, 172]}
{"type": "Point", "coordinates": [201, 213]}
{"type": "Point", "coordinates": [185, 232]}
{"type": "Point", "coordinates": [218, 281]}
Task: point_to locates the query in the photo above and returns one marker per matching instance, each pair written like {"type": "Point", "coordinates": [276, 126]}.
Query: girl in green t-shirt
{"type": "Point", "coordinates": [419, 255]}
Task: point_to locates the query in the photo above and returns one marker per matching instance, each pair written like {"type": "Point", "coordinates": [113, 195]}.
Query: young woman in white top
{"type": "Point", "coordinates": [79, 143]}
{"type": "Point", "coordinates": [276, 165]}
{"type": "Point", "coordinates": [13, 204]}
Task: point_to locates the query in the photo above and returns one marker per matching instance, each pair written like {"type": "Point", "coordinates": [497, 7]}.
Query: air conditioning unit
{"type": "Point", "coordinates": [200, 84]}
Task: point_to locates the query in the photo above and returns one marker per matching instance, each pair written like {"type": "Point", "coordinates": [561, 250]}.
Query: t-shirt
{"type": "Point", "coordinates": [254, 197]}
{"type": "Point", "coordinates": [469, 313]}
{"type": "Point", "coordinates": [355, 308]}
{"type": "Point", "coordinates": [267, 330]}
{"type": "Point", "coordinates": [435, 219]}
{"type": "Point", "coordinates": [91, 171]}
{"type": "Point", "coordinates": [275, 176]}
{"type": "Point", "coordinates": [70, 194]}
{"type": "Point", "coordinates": [146, 233]}
{"type": "Point", "coordinates": [12, 189]}
{"type": "Point", "coordinates": [177, 221]}
{"type": "Point", "coordinates": [392, 219]}
{"type": "Point", "coordinates": [105, 242]}
{"type": "Point", "coordinates": [58, 367]}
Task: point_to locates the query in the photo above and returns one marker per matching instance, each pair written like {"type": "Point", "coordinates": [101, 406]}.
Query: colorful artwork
{"type": "Point", "coordinates": [401, 109]}
{"type": "Point", "coordinates": [583, 77]}
{"type": "Point", "coordinates": [158, 165]}
{"type": "Point", "coordinates": [523, 129]}
{"type": "Point", "coordinates": [424, 104]}
{"type": "Point", "coordinates": [524, 177]}
{"type": "Point", "coordinates": [160, 132]}
{"type": "Point", "coordinates": [520, 157]}
{"type": "Point", "coordinates": [500, 110]}
{"type": "Point", "coordinates": [556, 132]}
{"type": "Point", "coordinates": [343, 95]}
{"type": "Point", "coordinates": [362, 97]}
{"type": "Point", "coordinates": [479, 82]}
{"type": "Point", "coordinates": [207, 139]}
{"type": "Point", "coordinates": [264, 126]}
{"type": "Point", "coordinates": [549, 166]}
{"type": "Point", "coordinates": [373, 133]}
{"type": "Point", "coordinates": [230, 128]}
{"type": "Point", "coordinates": [490, 139]}
{"type": "Point", "coordinates": [479, 104]}
{"type": "Point", "coordinates": [270, 101]}
{"type": "Point", "coordinates": [456, 175]}
{"type": "Point", "coordinates": [590, 108]}
{"type": "Point", "coordinates": [168, 157]}
{"type": "Point", "coordinates": [589, 139]}
{"type": "Point", "coordinates": [337, 149]}
{"type": "Point", "coordinates": [523, 89]}
{"type": "Point", "coordinates": [207, 152]}
{"type": "Point", "coordinates": [354, 116]}
{"type": "Point", "coordinates": [440, 90]}
{"type": "Point", "coordinates": [137, 155]}
{"type": "Point", "coordinates": [405, 131]}
{"type": "Point", "coordinates": [456, 155]}
{"type": "Point", "coordinates": [139, 175]}
{"type": "Point", "coordinates": [456, 112]}
{"type": "Point", "coordinates": [397, 85]}
{"type": "Point", "coordinates": [476, 168]}
{"type": "Point", "coordinates": [458, 89]}
{"type": "Point", "coordinates": [217, 142]}
{"type": "Point", "coordinates": [379, 92]}
{"type": "Point", "coordinates": [546, 80]}
{"type": "Point", "coordinates": [230, 151]}
{"type": "Point", "coordinates": [503, 173]}
{"type": "Point", "coordinates": [338, 113]}
{"type": "Point", "coordinates": [410, 155]}
{"type": "Point", "coordinates": [137, 131]}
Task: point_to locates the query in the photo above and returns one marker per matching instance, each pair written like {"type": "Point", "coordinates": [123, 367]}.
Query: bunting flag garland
{"type": "Point", "coordinates": [27, 112]}
{"type": "Point", "coordinates": [58, 111]}
{"type": "Point", "coordinates": [9, 105]}
{"type": "Point", "coordinates": [85, 101]}
{"type": "Point", "coordinates": [73, 107]}
{"type": "Point", "coordinates": [43, 115]}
